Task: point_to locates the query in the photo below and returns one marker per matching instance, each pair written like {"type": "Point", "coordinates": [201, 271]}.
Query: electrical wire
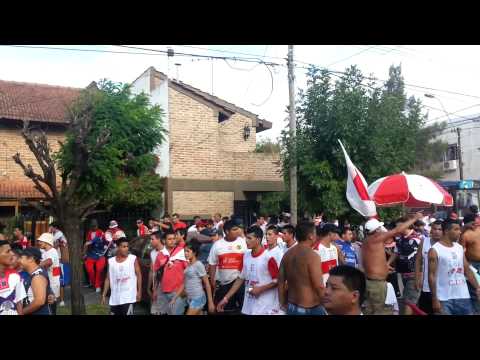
{"type": "Point", "coordinates": [165, 53]}
{"type": "Point", "coordinates": [351, 56]}
{"type": "Point", "coordinates": [271, 88]}
{"type": "Point", "coordinates": [74, 49]}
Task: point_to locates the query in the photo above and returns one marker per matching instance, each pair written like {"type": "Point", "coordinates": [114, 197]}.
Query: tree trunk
{"type": "Point", "coordinates": [73, 232]}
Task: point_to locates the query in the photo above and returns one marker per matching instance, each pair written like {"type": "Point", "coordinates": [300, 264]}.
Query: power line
{"type": "Point", "coordinates": [271, 89]}
{"type": "Point", "coordinates": [164, 53]}
{"type": "Point", "coordinates": [231, 52]}
{"type": "Point", "coordinates": [455, 112]}
{"type": "Point", "coordinates": [351, 56]}
{"type": "Point", "coordinates": [201, 56]}
{"type": "Point", "coordinates": [75, 49]}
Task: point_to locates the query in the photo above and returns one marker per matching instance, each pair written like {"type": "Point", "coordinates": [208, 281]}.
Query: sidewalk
{"type": "Point", "coordinates": [93, 298]}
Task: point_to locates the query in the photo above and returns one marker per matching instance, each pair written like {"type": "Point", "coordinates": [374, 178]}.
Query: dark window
{"type": "Point", "coordinates": [222, 117]}
{"type": "Point", "coordinates": [451, 153]}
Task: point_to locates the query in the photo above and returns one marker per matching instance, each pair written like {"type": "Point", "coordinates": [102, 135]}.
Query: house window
{"type": "Point", "coordinates": [452, 153]}
{"type": "Point", "coordinates": [222, 117]}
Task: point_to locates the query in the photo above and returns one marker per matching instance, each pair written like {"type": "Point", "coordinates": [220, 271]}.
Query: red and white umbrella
{"type": "Point", "coordinates": [412, 191]}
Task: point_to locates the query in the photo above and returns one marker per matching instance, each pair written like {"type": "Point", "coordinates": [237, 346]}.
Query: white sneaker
{"type": "Point", "coordinates": [62, 303]}
{"type": "Point", "coordinates": [98, 290]}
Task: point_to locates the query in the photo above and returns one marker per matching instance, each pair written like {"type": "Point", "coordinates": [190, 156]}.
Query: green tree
{"type": "Point", "coordinates": [383, 131]}
{"type": "Point", "coordinates": [106, 158]}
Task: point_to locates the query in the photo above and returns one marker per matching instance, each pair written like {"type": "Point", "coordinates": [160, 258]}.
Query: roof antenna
{"type": "Point", "coordinates": [170, 53]}
{"type": "Point", "coordinates": [178, 68]}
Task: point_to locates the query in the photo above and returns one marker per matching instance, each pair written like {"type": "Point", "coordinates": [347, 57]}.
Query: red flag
{"type": "Point", "coordinates": [357, 194]}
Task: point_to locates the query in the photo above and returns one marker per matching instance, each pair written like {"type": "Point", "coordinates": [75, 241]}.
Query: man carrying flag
{"type": "Point", "coordinates": [373, 248]}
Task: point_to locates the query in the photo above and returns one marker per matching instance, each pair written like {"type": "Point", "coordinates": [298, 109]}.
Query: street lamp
{"type": "Point", "coordinates": [458, 130]}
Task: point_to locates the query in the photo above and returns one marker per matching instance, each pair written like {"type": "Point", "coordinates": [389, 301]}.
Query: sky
{"type": "Point", "coordinates": [249, 85]}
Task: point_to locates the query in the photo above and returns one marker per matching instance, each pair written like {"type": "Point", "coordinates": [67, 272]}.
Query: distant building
{"type": "Point", "coordinates": [470, 143]}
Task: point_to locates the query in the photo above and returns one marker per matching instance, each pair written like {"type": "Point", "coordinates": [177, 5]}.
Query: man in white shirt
{"type": "Point", "coordinates": [158, 304]}
{"type": "Point", "coordinates": [51, 263]}
{"type": "Point", "coordinates": [288, 232]}
{"type": "Point", "coordinates": [12, 291]}
{"type": "Point", "coordinates": [327, 250]}
{"type": "Point", "coordinates": [260, 275]}
{"type": "Point", "coordinates": [217, 221]}
{"type": "Point", "coordinates": [226, 262]}
{"type": "Point", "coordinates": [448, 272]}
{"type": "Point", "coordinates": [193, 229]}
{"type": "Point", "coordinates": [345, 291]}
{"type": "Point", "coordinates": [61, 245]}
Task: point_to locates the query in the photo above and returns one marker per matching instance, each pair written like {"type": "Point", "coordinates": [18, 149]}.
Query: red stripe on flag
{"type": "Point", "coordinates": [361, 190]}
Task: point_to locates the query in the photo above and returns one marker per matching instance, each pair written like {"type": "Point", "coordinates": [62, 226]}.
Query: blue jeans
{"type": "Point", "coordinates": [457, 307]}
{"type": "Point", "coordinates": [293, 309]}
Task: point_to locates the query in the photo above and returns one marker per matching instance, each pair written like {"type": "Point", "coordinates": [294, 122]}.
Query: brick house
{"type": "Point", "coordinates": [208, 158]}
{"type": "Point", "coordinates": [44, 106]}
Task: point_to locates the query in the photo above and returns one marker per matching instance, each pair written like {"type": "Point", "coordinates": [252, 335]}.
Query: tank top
{"type": "Point", "coordinates": [123, 281]}
{"type": "Point", "coordinates": [427, 244]}
{"type": "Point", "coordinates": [451, 282]}
{"type": "Point", "coordinates": [45, 309]}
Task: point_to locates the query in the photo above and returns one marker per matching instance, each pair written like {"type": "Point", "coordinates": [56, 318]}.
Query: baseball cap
{"type": "Point", "coordinates": [113, 224]}
{"type": "Point", "coordinates": [32, 252]}
{"type": "Point", "coordinates": [328, 228]}
{"type": "Point", "coordinates": [46, 238]}
{"type": "Point", "coordinates": [373, 224]}
{"type": "Point", "coordinates": [469, 218]}
{"type": "Point", "coordinates": [201, 223]}
{"type": "Point", "coordinates": [238, 221]}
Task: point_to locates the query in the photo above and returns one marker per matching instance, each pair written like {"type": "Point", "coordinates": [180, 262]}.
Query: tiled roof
{"type": "Point", "coordinates": [19, 190]}
{"type": "Point", "coordinates": [35, 102]}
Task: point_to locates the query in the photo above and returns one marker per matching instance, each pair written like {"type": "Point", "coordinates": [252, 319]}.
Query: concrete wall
{"type": "Point", "coordinates": [158, 91]}
{"type": "Point", "coordinates": [470, 138]}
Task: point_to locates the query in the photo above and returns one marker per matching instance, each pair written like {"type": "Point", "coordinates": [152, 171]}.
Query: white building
{"type": "Point", "coordinates": [470, 147]}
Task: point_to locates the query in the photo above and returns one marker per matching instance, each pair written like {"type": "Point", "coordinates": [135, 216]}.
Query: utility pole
{"type": "Point", "coordinates": [293, 132]}
{"type": "Point", "coordinates": [459, 149]}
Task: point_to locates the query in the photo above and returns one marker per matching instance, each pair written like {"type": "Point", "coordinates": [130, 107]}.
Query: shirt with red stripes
{"type": "Point", "coordinates": [328, 256]}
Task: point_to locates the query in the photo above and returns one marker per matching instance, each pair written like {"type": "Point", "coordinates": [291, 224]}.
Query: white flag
{"type": "Point", "coordinates": [357, 193]}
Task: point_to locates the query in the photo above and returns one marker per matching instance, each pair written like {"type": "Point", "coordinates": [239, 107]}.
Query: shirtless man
{"type": "Point", "coordinates": [301, 269]}
{"type": "Point", "coordinates": [470, 240]}
{"type": "Point", "coordinates": [375, 263]}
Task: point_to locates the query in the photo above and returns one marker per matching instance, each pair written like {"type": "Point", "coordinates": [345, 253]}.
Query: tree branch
{"type": "Point", "coordinates": [38, 145]}
{"type": "Point", "coordinates": [28, 171]}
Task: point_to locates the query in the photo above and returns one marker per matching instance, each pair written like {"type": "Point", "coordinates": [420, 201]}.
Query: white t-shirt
{"type": "Point", "coordinates": [59, 239]}
{"type": "Point", "coordinates": [391, 298]}
{"type": "Point", "coordinates": [218, 224]}
{"type": "Point", "coordinates": [329, 257]}
{"type": "Point", "coordinates": [451, 281]}
{"type": "Point", "coordinates": [12, 292]}
{"type": "Point", "coordinates": [276, 253]}
{"type": "Point", "coordinates": [123, 281]}
{"type": "Point", "coordinates": [284, 247]}
{"type": "Point", "coordinates": [192, 228]}
{"type": "Point", "coordinates": [54, 270]}
{"type": "Point", "coordinates": [228, 256]}
{"type": "Point", "coordinates": [258, 271]}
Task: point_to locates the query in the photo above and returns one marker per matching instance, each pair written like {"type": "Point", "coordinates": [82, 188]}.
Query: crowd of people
{"type": "Point", "coordinates": [416, 265]}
